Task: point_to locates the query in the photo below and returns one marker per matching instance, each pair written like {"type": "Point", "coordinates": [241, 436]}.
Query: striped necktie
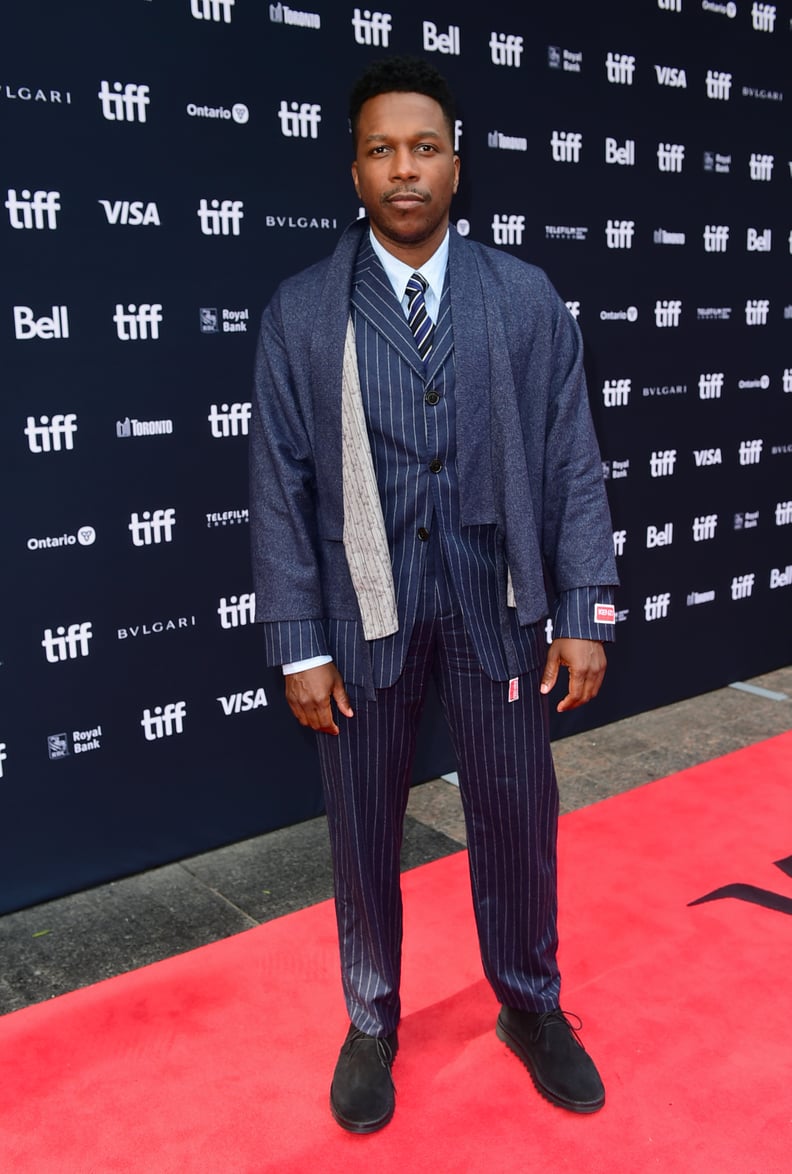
{"type": "Point", "coordinates": [417, 317]}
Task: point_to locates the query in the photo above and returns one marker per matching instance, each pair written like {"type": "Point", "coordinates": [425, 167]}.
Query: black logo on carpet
{"type": "Point", "coordinates": [753, 894]}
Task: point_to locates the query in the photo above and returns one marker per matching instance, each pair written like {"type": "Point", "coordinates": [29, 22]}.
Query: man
{"type": "Point", "coordinates": [422, 461]}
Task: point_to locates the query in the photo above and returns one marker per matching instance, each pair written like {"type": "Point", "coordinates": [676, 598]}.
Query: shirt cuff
{"type": "Point", "coordinates": [299, 666]}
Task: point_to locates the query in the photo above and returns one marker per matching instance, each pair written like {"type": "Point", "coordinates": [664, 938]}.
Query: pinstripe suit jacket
{"type": "Point", "coordinates": [521, 480]}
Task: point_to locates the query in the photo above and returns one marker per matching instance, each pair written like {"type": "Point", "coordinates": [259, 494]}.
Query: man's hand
{"type": "Point", "coordinates": [310, 692]}
{"type": "Point", "coordinates": [586, 662]}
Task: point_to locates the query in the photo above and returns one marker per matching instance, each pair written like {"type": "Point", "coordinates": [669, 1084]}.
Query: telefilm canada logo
{"type": "Point", "coordinates": [218, 518]}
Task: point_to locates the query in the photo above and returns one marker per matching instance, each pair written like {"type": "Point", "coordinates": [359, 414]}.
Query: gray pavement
{"type": "Point", "coordinates": [80, 939]}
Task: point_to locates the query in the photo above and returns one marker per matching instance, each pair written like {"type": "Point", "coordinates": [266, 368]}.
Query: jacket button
{"type": "Point", "coordinates": [435, 466]}
{"type": "Point", "coordinates": [423, 534]}
{"type": "Point", "coordinates": [432, 397]}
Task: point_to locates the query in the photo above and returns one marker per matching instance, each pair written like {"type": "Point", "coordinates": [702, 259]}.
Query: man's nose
{"type": "Point", "coordinates": [404, 164]}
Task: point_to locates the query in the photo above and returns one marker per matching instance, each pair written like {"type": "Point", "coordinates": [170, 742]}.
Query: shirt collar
{"type": "Point", "coordinates": [398, 274]}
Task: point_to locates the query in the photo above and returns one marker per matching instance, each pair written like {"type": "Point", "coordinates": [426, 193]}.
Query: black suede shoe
{"type": "Point", "coordinates": [362, 1096]}
{"type": "Point", "coordinates": [560, 1066]}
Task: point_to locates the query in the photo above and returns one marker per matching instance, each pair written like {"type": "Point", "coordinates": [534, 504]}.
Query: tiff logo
{"type": "Point", "coordinates": [783, 513]}
{"type": "Point", "coordinates": [52, 435]}
{"type": "Point", "coordinates": [163, 722]}
{"type": "Point", "coordinates": [670, 156]}
{"type": "Point", "coordinates": [67, 643]}
{"type": "Point", "coordinates": [38, 209]}
{"type": "Point", "coordinates": [566, 146]}
{"type": "Point", "coordinates": [624, 156]}
{"type": "Point", "coordinates": [662, 461]}
{"type": "Point", "coordinates": [763, 17]}
{"type": "Point", "coordinates": [616, 392]}
{"type": "Point", "coordinates": [124, 103]}
{"type": "Point", "coordinates": [704, 527]}
{"type": "Point", "coordinates": [508, 230]}
{"type": "Point", "coordinates": [787, 378]}
{"type": "Point", "coordinates": [761, 166]}
{"type": "Point", "coordinates": [718, 85]}
{"type": "Point", "coordinates": [750, 452]}
{"type": "Point", "coordinates": [619, 234]}
{"type": "Point", "coordinates": [620, 68]}
{"type": "Point", "coordinates": [3, 757]}
{"type": "Point", "coordinates": [716, 238]}
{"type": "Point", "coordinates": [670, 5]}
{"type": "Point", "coordinates": [711, 385]}
{"type": "Point", "coordinates": [134, 323]}
{"type": "Point", "coordinates": [221, 218]}
{"type": "Point", "coordinates": [229, 420]}
{"type": "Point", "coordinates": [148, 528]}
{"type": "Point", "coordinates": [217, 10]}
{"type": "Point", "coordinates": [667, 312]}
{"type": "Point", "coordinates": [656, 606]}
{"type": "Point", "coordinates": [742, 586]}
{"type": "Point", "coordinates": [756, 311]}
{"type": "Point", "coordinates": [505, 49]}
{"type": "Point", "coordinates": [372, 28]}
{"type": "Point", "coordinates": [300, 120]}
{"type": "Point", "coordinates": [619, 542]}
{"type": "Point", "coordinates": [759, 242]}
{"type": "Point", "coordinates": [236, 611]}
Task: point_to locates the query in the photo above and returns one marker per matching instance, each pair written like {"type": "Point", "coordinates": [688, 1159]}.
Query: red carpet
{"type": "Point", "coordinates": [218, 1061]}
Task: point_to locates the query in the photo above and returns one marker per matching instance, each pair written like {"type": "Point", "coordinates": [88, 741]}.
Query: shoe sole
{"type": "Point", "coordinates": [548, 1094]}
{"type": "Point", "coordinates": [360, 1126]}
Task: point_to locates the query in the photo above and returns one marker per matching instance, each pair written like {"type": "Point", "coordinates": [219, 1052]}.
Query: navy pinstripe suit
{"type": "Point", "coordinates": [449, 560]}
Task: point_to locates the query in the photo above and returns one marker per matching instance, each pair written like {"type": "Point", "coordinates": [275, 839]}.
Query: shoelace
{"type": "Point", "coordinates": [384, 1050]}
{"type": "Point", "coordinates": [558, 1016]}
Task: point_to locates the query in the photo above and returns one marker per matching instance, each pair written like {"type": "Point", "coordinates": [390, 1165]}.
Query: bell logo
{"type": "Point", "coordinates": [718, 85]}
{"type": "Point", "coordinates": [53, 435]}
{"type": "Point", "coordinates": [716, 237]}
{"type": "Point", "coordinates": [217, 10]}
{"type": "Point", "coordinates": [759, 242]}
{"type": "Point", "coordinates": [667, 312]}
{"type": "Point", "coordinates": [138, 323]}
{"type": "Point", "coordinates": [616, 392]}
{"type": "Point", "coordinates": [657, 537]}
{"type": "Point", "coordinates": [434, 42]}
{"type": "Point", "coordinates": [667, 75]}
{"type": "Point", "coordinates": [124, 103]}
{"type": "Point", "coordinates": [756, 311]}
{"type": "Point", "coordinates": [624, 156]}
{"type": "Point", "coordinates": [670, 156]}
{"type": "Point", "coordinates": [656, 606]}
{"type": "Point", "coordinates": [67, 643]}
{"type": "Point", "coordinates": [704, 527]}
{"type": "Point", "coordinates": [619, 234]}
{"type": "Point", "coordinates": [761, 167]}
{"type": "Point", "coordinates": [164, 721]}
{"type": "Point", "coordinates": [711, 385]}
{"type": "Point", "coordinates": [236, 611]}
{"type": "Point", "coordinates": [243, 702]}
{"type": "Point", "coordinates": [131, 212]}
{"type": "Point", "coordinates": [26, 326]}
{"type": "Point", "coordinates": [372, 28]}
{"type": "Point", "coordinates": [505, 49]}
{"type": "Point", "coordinates": [783, 513]}
{"type": "Point", "coordinates": [620, 68]}
{"type": "Point", "coordinates": [763, 17]}
{"type": "Point", "coordinates": [619, 542]}
{"type": "Point", "coordinates": [750, 452]}
{"type": "Point", "coordinates": [742, 586]}
{"type": "Point", "coordinates": [229, 420]}
{"type": "Point", "coordinates": [779, 578]}
{"type": "Point", "coordinates": [150, 528]}
{"type": "Point", "coordinates": [508, 230]}
{"type": "Point", "coordinates": [221, 218]}
{"type": "Point", "coordinates": [33, 210]}
{"type": "Point", "coordinates": [300, 120]}
{"type": "Point", "coordinates": [662, 461]}
{"type": "Point", "coordinates": [566, 146]}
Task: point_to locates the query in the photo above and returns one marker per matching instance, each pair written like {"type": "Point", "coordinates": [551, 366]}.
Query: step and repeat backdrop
{"type": "Point", "coordinates": [166, 164]}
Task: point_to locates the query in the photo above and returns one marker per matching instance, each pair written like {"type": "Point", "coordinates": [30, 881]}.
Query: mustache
{"type": "Point", "coordinates": [405, 190]}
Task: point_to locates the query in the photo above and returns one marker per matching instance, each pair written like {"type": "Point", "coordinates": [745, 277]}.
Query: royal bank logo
{"type": "Point", "coordinates": [152, 527]}
{"type": "Point", "coordinates": [566, 145]}
{"type": "Point", "coordinates": [759, 240]}
{"type": "Point", "coordinates": [783, 513]}
{"type": "Point", "coordinates": [81, 742]}
{"type": "Point", "coordinates": [156, 628]}
{"type": "Point", "coordinates": [750, 452]}
{"type": "Point", "coordinates": [54, 325]}
{"type": "Point", "coordinates": [667, 312]}
{"type": "Point", "coordinates": [372, 28]}
{"type": "Point", "coordinates": [718, 85]}
{"type": "Point", "coordinates": [282, 14]}
{"type": "Point", "coordinates": [619, 68]}
{"type": "Point", "coordinates": [67, 643]}
{"type": "Point", "coordinates": [505, 49]}
{"type": "Point", "coordinates": [619, 234]}
{"type": "Point", "coordinates": [659, 536]}
{"type": "Point", "coordinates": [716, 238]}
{"type": "Point", "coordinates": [134, 213]}
{"type": "Point", "coordinates": [238, 113]}
{"type": "Point", "coordinates": [227, 518]}
{"type": "Point", "coordinates": [33, 210]}
{"type": "Point", "coordinates": [656, 606]}
{"type": "Point", "coordinates": [164, 720]}
{"type": "Point", "coordinates": [138, 323]}
{"type": "Point", "coordinates": [662, 462]}
{"type": "Point", "coordinates": [57, 746]}
{"type": "Point", "coordinates": [437, 42]}
{"type": "Point", "coordinates": [567, 60]}
{"type": "Point", "coordinates": [670, 156]}
{"type": "Point", "coordinates": [713, 313]}
{"type": "Point", "coordinates": [237, 610]}
{"type": "Point", "coordinates": [710, 384]}
{"type": "Point", "coordinates": [300, 120]}
{"type": "Point", "coordinates": [661, 236]}
{"type": "Point", "coordinates": [619, 542]}
{"type": "Point", "coordinates": [229, 419]}
{"type": "Point", "coordinates": [84, 536]}
{"type": "Point", "coordinates": [35, 94]}
{"type": "Point", "coordinates": [616, 392]}
{"type": "Point", "coordinates": [566, 232]}
{"type": "Point", "coordinates": [125, 102]}
{"type": "Point", "coordinates": [742, 586]}
{"type": "Point", "coordinates": [501, 142]}
{"type": "Point", "coordinates": [717, 163]}
{"type": "Point", "coordinates": [216, 10]}
{"type": "Point", "coordinates": [670, 75]}
{"type": "Point", "coordinates": [508, 229]}
{"type": "Point", "coordinates": [220, 217]}
{"type": "Point", "coordinates": [763, 17]}
{"type": "Point", "coordinates": [746, 520]}
{"type": "Point", "coordinates": [704, 527]}
{"type": "Point", "coordinates": [51, 435]}
{"type": "Point", "coordinates": [225, 321]}
{"type": "Point", "coordinates": [615, 470]}
{"type": "Point", "coordinates": [623, 155]}
{"type": "Point", "coordinates": [760, 167]}
{"type": "Point", "coordinates": [243, 702]}
{"type": "Point", "coordinates": [756, 311]}
{"type": "Point", "coordinates": [129, 427]}
{"type": "Point", "coordinates": [628, 315]}
{"type": "Point", "coordinates": [707, 457]}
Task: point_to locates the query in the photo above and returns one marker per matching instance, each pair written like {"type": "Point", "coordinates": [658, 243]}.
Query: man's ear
{"type": "Point", "coordinates": [355, 177]}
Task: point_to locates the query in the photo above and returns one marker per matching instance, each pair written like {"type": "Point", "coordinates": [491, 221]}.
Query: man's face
{"type": "Point", "coordinates": [405, 173]}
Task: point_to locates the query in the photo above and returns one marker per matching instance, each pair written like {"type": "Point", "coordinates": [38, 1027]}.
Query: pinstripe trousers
{"type": "Point", "coordinates": [510, 802]}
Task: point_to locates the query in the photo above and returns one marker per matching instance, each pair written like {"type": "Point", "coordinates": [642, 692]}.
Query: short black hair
{"type": "Point", "coordinates": [405, 75]}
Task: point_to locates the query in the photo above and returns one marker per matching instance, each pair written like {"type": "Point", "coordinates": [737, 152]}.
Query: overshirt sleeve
{"type": "Point", "coordinates": [578, 613]}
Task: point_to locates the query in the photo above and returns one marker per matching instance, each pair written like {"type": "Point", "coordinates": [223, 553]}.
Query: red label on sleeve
{"type": "Point", "coordinates": [604, 613]}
